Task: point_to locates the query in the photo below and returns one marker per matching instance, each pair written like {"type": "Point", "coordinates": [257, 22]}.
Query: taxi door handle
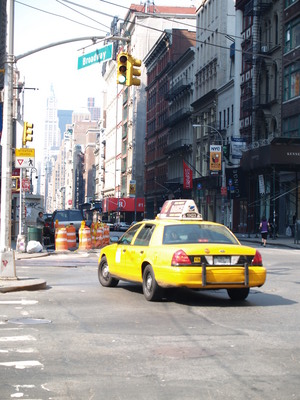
{"type": "Point", "coordinates": [124, 250]}
{"type": "Point", "coordinates": [142, 252]}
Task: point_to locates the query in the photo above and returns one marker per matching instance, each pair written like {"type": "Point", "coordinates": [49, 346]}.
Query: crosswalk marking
{"type": "Point", "coordinates": [22, 364]}
{"type": "Point", "coordinates": [17, 338]}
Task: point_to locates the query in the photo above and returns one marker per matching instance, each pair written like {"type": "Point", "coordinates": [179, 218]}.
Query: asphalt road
{"type": "Point", "coordinates": [78, 340]}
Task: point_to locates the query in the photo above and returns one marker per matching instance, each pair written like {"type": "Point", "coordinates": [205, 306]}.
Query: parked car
{"type": "Point", "coordinates": [121, 226]}
{"type": "Point", "coordinates": [179, 249]}
{"type": "Point", "coordinates": [110, 224]}
{"type": "Point", "coordinates": [66, 217]}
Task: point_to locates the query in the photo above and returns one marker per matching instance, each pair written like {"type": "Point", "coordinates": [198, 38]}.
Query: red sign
{"type": "Point", "coordinates": [187, 177]}
{"type": "Point", "coordinates": [123, 204]}
{"type": "Point", "coordinates": [223, 191]}
{"type": "Point", "coordinates": [16, 172]}
{"type": "Point", "coordinates": [26, 184]}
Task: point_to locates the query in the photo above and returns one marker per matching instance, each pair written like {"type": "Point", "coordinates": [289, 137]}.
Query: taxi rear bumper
{"type": "Point", "coordinates": [211, 277]}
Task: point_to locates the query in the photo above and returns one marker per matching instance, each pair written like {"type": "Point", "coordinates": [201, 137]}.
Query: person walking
{"type": "Point", "coordinates": [264, 227]}
{"type": "Point", "coordinates": [40, 223]}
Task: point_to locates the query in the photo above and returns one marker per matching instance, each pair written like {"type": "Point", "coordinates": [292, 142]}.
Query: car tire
{"type": "Point", "coordinates": [151, 289]}
{"type": "Point", "coordinates": [238, 294]}
{"type": "Point", "coordinates": [104, 276]}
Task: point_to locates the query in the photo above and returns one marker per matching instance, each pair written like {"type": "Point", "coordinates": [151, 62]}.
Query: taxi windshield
{"type": "Point", "coordinates": [197, 233]}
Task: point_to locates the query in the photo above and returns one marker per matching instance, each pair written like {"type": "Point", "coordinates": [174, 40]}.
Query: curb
{"type": "Point", "coordinates": [13, 285]}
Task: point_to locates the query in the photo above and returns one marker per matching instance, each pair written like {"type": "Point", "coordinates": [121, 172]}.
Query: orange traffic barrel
{"type": "Point", "coordinates": [94, 234]}
{"type": "Point", "coordinates": [99, 237]}
{"type": "Point", "coordinates": [61, 241]}
{"type": "Point", "coordinates": [85, 240]}
{"type": "Point", "coordinates": [71, 236]}
{"type": "Point", "coordinates": [106, 235]}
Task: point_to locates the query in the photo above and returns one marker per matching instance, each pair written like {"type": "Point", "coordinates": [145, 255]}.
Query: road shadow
{"type": "Point", "coordinates": [212, 298]}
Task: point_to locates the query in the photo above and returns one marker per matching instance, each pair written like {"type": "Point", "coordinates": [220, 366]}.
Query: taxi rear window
{"type": "Point", "coordinates": [197, 233]}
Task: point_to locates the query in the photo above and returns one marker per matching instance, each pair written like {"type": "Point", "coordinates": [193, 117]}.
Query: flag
{"type": "Point", "coordinates": [187, 177]}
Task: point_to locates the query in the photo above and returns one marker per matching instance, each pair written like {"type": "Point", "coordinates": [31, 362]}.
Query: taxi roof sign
{"type": "Point", "coordinates": [179, 209]}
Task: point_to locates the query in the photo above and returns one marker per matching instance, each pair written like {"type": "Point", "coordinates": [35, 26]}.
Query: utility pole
{"type": "Point", "coordinates": [7, 255]}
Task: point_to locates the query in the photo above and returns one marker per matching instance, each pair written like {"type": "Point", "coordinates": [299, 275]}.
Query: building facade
{"type": "Point", "coordinates": [168, 141]}
{"type": "Point", "coordinates": [126, 106]}
{"type": "Point", "coordinates": [269, 115]}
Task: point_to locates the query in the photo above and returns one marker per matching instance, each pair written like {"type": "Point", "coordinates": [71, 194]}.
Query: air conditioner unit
{"type": "Point", "coordinates": [246, 121]}
{"type": "Point", "coordinates": [264, 49]}
{"type": "Point", "coordinates": [248, 33]}
{"type": "Point", "coordinates": [243, 78]}
{"type": "Point", "coordinates": [247, 75]}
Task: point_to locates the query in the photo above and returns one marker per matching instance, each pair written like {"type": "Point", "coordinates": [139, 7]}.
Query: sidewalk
{"type": "Point", "coordinates": [282, 241]}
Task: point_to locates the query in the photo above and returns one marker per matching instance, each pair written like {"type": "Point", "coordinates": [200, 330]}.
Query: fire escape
{"type": "Point", "coordinates": [256, 99]}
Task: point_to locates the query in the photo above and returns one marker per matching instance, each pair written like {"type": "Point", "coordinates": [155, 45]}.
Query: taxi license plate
{"type": "Point", "coordinates": [222, 260]}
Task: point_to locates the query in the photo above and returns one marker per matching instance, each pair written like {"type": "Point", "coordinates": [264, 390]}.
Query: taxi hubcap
{"type": "Point", "coordinates": [105, 272]}
{"type": "Point", "coordinates": [149, 282]}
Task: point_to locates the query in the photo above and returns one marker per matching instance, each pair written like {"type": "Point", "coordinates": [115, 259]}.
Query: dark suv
{"type": "Point", "coordinates": [66, 217]}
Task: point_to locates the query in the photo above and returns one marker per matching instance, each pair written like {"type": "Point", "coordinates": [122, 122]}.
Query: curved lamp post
{"type": "Point", "coordinates": [223, 165]}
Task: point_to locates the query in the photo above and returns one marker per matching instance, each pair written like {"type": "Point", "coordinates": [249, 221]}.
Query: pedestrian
{"type": "Point", "coordinates": [40, 223]}
{"type": "Point", "coordinates": [264, 227]}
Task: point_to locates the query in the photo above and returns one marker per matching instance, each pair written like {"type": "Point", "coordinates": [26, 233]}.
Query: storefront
{"type": "Point", "coordinates": [272, 173]}
{"type": "Point", "coordinates": [127, 208]}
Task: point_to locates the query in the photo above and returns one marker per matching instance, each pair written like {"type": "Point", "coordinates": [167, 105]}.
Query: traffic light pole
{"type": "Point", "coordinates": [7, 255]}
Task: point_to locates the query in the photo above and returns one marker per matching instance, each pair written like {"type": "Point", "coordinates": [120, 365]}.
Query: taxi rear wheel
{"type": "Point", "coordinates": [151, 289]}
{"type": "Point", "coordinates": [238, 294]}
{"type": "Point", "coordinates": [104, 276]}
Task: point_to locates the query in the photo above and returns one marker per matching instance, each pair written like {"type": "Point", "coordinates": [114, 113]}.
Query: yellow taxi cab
{"type": "Point", "coordinates": [179, 249]}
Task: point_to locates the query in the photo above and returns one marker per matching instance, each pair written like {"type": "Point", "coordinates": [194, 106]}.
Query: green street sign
{"type": "Point", "coordinates": [97, 56]}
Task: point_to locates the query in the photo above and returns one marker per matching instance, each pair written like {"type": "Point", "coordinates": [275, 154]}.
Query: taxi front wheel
{"type": "Point", "coordinates": [151, 289]}
{"type": "Point", "coordinates": [104, 276]}
{"type": "Point", "coordinates": [238, 294]}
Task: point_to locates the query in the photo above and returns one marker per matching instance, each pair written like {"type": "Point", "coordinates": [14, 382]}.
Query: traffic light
{"type": "Point", "coordinates": [27, 133]}
{"type": "Point", "coordinates": [226, 150]}
{"type": "Point", "coordinates": [122, 68]}
{"type": "Point", "coordinates": [15, 183]}
{"type": "Point", "coordinates": [133, 72]}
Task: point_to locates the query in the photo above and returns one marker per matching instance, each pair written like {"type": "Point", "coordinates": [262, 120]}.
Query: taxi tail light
{"type": "Point", "coordinates": [257, 260]}
{"type": "Point", "coordinates": [180, 258]}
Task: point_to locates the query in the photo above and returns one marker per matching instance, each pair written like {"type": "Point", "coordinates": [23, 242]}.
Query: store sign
{"type": "Point", "coordinates": [215, 158]}
{"type": "Point", "coordinates": [123, 204]}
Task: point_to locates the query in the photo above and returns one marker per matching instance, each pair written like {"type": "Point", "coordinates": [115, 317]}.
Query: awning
{"type": "Point", "coordinates": [123, 204]}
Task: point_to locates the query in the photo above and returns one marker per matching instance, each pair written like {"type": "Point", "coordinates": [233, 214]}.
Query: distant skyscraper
{"type": "Point", "coordinates": [52, 131]}
{"type": "Point", "coordinates": [95, 111]}
{"type": "Point", "coordinates": [52, 141]}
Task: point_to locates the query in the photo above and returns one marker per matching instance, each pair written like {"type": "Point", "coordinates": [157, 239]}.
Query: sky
{"type": "Point", "coordinates": [39, 23]}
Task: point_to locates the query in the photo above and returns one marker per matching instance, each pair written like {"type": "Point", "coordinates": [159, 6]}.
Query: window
{"type": "Point", "coordinates": [291, 126]}
{"type": "Point", "coordinates": [288, 3]}
{"type": "Point", "coordinates": [228, 116]}
{"type": "Point", "coordinates": [292, 35]}
{"type": "Point", "coordinates": [291, 87]}
{"type": "Point", "coordinates": [127, 237]}
{"type": "Point", "coordinates": [144, 236]}
{"type": "Point", "coordinates": [197, 233]}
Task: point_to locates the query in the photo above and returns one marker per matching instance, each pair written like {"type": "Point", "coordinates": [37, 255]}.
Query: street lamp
{"type": "Point", "coordinates": [223, 165]}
